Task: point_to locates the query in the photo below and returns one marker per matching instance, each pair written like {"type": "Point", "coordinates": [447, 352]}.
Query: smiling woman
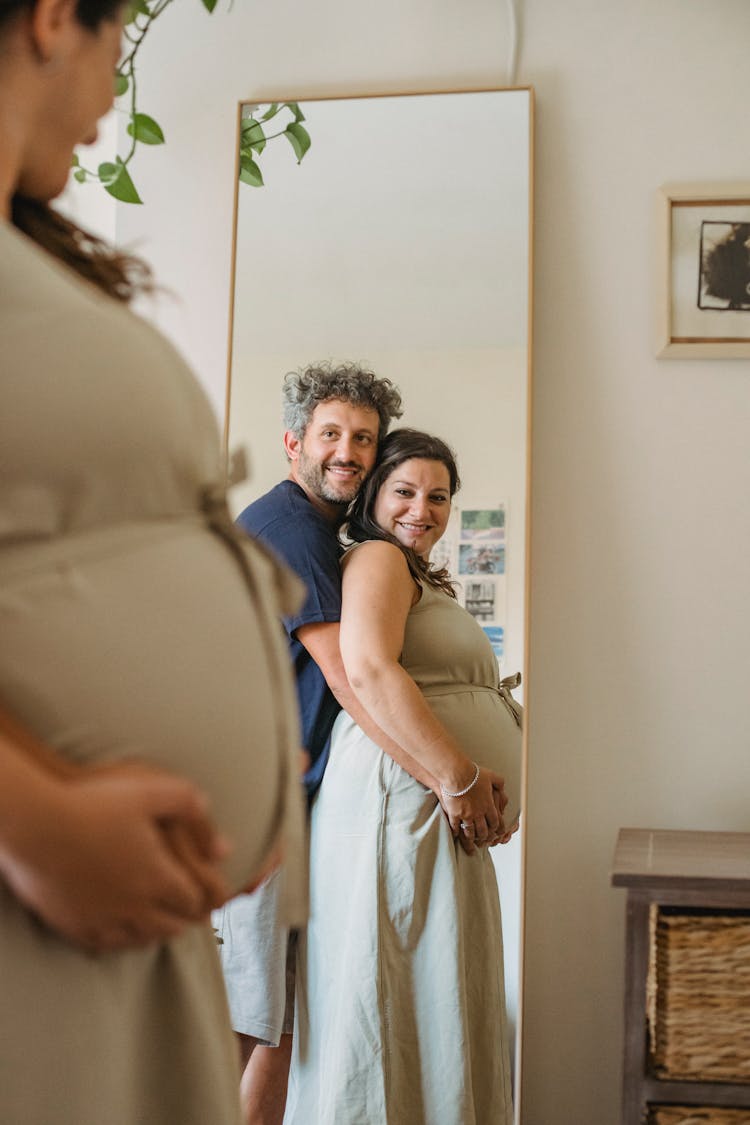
{"type": "Point", "coordinates": [386, 870]}
{"type": "Point", "coordinates": [414, 505]}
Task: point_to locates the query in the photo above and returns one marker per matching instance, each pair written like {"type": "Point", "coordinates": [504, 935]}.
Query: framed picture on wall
{"type": "Point", "coordinates": [704, 285]}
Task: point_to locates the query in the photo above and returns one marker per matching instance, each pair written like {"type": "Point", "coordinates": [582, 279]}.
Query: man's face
{"type": "Point", "coordinates": [336, 453]}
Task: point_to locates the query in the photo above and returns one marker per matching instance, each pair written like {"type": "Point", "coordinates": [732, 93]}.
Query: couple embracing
{"type": "Point", "coordinates": [400, 1009]}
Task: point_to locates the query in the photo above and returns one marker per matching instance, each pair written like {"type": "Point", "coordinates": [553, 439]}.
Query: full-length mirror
{"type": "Point", "coordinates": [402, 240]}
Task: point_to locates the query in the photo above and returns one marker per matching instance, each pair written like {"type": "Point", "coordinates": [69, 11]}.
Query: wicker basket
{"type": "Point", "coordinates": [696, 1115]}
{"type": "Point", "coordinates": [699, 999]}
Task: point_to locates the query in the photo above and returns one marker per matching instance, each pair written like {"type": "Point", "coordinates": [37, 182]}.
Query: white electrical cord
{"type": "Point", "coordinates": [512, 42]}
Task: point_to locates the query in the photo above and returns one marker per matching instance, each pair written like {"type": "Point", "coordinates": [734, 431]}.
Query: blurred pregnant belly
{"type": "Point", "coordinates": [143, 642]}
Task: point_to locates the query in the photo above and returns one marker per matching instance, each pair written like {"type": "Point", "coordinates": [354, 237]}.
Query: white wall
{"type": "Point", "coordinates": [90, 205]}
{"type": "Point", "coordinates": [641, 521]}
{"type": "Point", "coordinates": [640, 517]}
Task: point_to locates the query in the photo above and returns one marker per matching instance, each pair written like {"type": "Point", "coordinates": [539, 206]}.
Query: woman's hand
{"type": "Point", "coordinates": [116, 858]}
{"type": "Point", "coordinates": [476, 817]}
{"type": "Point", "coordinates": [200, 849]}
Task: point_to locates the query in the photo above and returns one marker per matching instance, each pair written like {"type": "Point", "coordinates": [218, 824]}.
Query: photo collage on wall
{"type": "Point", "coordinates": [473, 549]}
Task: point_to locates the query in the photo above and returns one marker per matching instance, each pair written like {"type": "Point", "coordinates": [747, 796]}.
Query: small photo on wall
{"type": "Point", "coordinates": [483, 523]}
{"type": "Point", "coordinates": [480, 598]}
{"type": "Point", "coordinates": [481, 558]}
{"type": "Point", "coordinates": [443, 554]}
{"type": "Point", "coordinates": [496, 636]}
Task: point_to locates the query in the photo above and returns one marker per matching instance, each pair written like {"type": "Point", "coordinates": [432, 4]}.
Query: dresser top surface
{"type": "Point", "coordinates": [646, 857]}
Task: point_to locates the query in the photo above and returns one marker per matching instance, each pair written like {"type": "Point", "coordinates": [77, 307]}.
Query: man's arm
{"type": "Point", "coordinates": [321, 639]}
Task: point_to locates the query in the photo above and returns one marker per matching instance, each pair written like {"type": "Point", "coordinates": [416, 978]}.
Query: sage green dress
{"type": "Point", "coordinates": [134, 625]}
{"type": "Point", "coordinates": [400, 1014]}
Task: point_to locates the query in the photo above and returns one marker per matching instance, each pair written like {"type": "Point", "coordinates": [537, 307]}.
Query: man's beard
{"type": "Point", "coordinates": [320, 484]}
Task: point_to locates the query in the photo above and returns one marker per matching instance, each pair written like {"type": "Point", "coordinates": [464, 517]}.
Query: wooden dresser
{"type": "Point", "coordinates": [687, 976]}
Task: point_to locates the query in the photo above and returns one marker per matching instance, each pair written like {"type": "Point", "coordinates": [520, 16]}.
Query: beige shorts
{"type": "Point", "coordinates": [258, 958]}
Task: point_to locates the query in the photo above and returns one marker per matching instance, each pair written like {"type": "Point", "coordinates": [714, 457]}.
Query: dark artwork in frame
{"type": "Point", "coordinates": [724, 275]}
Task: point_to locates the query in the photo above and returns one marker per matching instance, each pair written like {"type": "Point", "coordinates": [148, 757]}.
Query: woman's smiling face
{"type": "Point", "coordinates": [414, 504]}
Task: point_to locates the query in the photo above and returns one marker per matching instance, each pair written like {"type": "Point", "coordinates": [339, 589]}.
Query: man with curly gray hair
{"type": "Point", "coordinates": [346, 382]}
{"type": "Point", "coordinates": [351, 386]}
{"type": "Point", "coordinates": [334, 418]}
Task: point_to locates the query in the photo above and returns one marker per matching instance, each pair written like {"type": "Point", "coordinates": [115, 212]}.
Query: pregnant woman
{"type": "Point", "coordinates": [401, 1007]}
{"type": "Point", "coordinates": [143, 684]}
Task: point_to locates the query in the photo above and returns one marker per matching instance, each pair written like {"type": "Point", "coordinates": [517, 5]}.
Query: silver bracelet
{"type": "Point", "coordinates": [462, 792]}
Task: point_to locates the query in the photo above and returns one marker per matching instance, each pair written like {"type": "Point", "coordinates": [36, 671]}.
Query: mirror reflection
{"type": "Point", "coordinates": [401, 241]}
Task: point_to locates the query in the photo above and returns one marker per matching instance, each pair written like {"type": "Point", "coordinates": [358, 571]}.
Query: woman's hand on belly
{"type": "Point", "coordinates": [476, 817]}
{"type": "Point", "coordinates": [116, 858]}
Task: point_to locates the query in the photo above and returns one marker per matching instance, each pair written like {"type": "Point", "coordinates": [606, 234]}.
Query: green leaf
{"type": "Point", "coordinates": [145, 129]}
{"type": "Point", "coordinates": [107, 173]}
{"type": "Point", "coordinates": [121, 85]}
{"type": "Point", "coordinates": [294, 107]}
{"type": "Point", "coordinates": [115, 178]}
{"type": "Point", "coordinates": [272, 110]}
{"type": "Point", "coordinates": [250, 173]}
{"type": "Point", "coordinates": [298, 138]}
{"type": "Point", "coordinates": [209, 5]}
{"type": "Point", "coordinates": [253, 135]}
{"type": "Point", "coordinates": [136, 8]}
{"type": "Point", "coordinates": [79, 175]}
{"type": "Point", "coordinates": [75, 160]}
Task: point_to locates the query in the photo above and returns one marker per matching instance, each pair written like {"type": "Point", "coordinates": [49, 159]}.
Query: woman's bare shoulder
{"type": "Point", "coordinates": [381, 569]}
{"type": "Point", "coordinates": [375, 554]}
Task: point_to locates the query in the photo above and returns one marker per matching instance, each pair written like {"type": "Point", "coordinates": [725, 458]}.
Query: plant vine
{"type": "Point", "coordinates": [254, 138]}
{"type": "Point", "coordinates": [115, 176]}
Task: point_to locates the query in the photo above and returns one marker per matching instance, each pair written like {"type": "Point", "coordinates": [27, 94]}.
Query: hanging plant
{"type": "Point", "coordinates": [115, 176]}
{"type": "Point", "coordinates": [254, 136]}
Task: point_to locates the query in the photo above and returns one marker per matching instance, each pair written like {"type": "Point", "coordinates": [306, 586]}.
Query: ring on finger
{"type": "Point", "coordinates": [466, 826]}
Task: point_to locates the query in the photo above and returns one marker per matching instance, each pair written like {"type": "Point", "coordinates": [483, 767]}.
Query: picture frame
{"type": "Point", "coordinates": [704, 271]}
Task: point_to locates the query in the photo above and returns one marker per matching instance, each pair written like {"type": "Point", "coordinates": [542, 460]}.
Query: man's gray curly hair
{"type": "Point", "coordinates": [345, 382]}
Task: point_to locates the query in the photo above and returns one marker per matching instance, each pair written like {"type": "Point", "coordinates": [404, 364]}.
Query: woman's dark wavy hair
{"type": "Point", "coordinates": [118, 275]}
{"type": "Point", "coordinates": [399, 446]}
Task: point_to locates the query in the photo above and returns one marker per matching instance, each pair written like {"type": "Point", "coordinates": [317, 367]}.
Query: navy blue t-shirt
{"type": "Point", "coordinates": [295, 530]}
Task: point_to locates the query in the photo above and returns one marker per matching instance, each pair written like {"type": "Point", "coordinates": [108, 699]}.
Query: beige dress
{"type": "Point", "coordinates": [132, 624]}
{"type": "Point", "coordinates": [400, 1014]}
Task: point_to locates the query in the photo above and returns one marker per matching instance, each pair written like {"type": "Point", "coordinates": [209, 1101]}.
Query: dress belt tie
{"type": "Point", "coordinates": [503, 689]}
